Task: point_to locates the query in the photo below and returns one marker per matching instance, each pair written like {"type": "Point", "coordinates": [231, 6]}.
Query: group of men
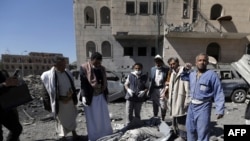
{"type": "Point", "coordinates": [186, 93]}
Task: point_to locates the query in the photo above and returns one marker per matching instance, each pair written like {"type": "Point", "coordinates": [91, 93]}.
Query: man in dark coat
{"type": "Point", "coordinates": [9, 118]}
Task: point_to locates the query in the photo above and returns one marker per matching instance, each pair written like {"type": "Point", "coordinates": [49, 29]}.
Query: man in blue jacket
{"type": "Point", "coordinates": [205, 87]}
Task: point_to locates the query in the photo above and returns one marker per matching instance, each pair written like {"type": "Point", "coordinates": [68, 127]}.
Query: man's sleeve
{"type": "Point", "coordinates": [127, 81]}
{"type": "Point", "coordinates": [219, 97]}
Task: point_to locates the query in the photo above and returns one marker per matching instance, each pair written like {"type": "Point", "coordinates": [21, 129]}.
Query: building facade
{"type": "Point", "coordinates": [33, 63]}
{"type": "Point", "coordinates": [129, 31]}
{"type": "Point", "coordinates": [219, 28]}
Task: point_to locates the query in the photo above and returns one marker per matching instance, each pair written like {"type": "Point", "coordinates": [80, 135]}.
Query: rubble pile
{"type": "Point", "coordinates": [34, 109]}
{"type": "Point", "coordinates": [35, 85]}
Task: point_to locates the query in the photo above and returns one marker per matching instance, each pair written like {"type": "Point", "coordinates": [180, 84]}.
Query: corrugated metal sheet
{"type": "Point", "coordinates": [242, 66]}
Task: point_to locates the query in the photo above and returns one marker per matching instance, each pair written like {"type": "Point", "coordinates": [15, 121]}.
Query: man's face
{"type": "Point", "coordinates": [96, 63]}
{"type": "Point", "coordinates": [61, 65]}
{"type": "Point", "coordinates": [173, 65]}
{"type": "Point", "coordinates": [158, 62]}
{"type": "Point", "coordinates": [137, 68]}
{"type": "Point", "coordinates": [201, 62]}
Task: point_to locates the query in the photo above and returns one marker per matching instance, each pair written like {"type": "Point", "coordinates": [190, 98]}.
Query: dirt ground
{"type": "Point", "coordinates": [38, 126]}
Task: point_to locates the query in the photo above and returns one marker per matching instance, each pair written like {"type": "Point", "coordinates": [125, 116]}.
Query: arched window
{"type": "Point", "coordinates": [89, 15]}
{"type": "Point", "coordinates": [105, 15]}
{"type": "Point", "coordinates": [213, 49]}
{"type": "Point", "coordinates": [106, 49]}
{"type": "Point", "coordinates": [215, 11]}
{"type": "Point", "coordinates": [90, 48]}
{"type": "Point", "coordinates": [248, 49]}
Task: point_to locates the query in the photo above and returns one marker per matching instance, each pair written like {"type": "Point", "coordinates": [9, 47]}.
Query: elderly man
{"type": "Point", "coordinates": [158, 79]}
{"type": "Point", "coordinates": [61, 95]}
{"type": "Point", "coordinates": [178, 98]}
{"type": "Point", "coordinates": [205, 87]}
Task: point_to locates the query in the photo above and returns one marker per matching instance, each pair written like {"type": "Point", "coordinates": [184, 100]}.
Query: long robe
{"type": "Point", "coordinates": [97, 118]}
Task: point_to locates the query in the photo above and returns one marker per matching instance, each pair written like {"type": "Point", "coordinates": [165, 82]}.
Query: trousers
{"type": "Point", "coordinates": [158, 102]}
{"type": "Point", "coordinates": [10, 120]}
{"type": "Point", "coordinates": [133, 109]}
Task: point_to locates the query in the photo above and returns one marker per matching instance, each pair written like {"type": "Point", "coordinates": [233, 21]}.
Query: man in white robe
{"type": "Point", "coordinates": [61, 96]}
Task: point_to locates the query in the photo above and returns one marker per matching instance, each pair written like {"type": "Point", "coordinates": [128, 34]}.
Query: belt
{"type": "Point", "coordinates": [197, 101]}
{"type": "Point", "coordinates": [97, 91]}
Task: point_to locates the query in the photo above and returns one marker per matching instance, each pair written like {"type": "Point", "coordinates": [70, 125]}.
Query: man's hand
{"type": "Point", "coordinates": [186, 106]}
{"type": "Point", "coordinates": [10, 82]}
{"type": "Point", "coordinates": [188, 66]}
{"type": "Point", "coordinates": [219, 116]}
{"type": "Point", "coordinates": [166, 83]}
{"type": "Point", "coordinates": [141, 93]}
{"type": "Point", "coordinates": [130, 92]}
{"type": "Point", "coordinates": [70, 93]}
{"type": "Point", "coordinates": [84, 101]}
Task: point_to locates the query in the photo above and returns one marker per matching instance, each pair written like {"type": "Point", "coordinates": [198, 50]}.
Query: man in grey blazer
{"type": "Point", "coordinates": [158, 78]}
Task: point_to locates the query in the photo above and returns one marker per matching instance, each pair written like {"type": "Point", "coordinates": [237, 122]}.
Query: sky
{"type": "Point", "coordinates": [37, 26]}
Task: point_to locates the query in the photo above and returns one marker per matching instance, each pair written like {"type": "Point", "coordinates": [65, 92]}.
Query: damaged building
{"type": "Point", "coordinates": [129, 31]}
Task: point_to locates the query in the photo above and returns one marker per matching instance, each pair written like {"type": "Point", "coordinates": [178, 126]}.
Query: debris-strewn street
{"type": "Point", "coordinates": [38, 125]}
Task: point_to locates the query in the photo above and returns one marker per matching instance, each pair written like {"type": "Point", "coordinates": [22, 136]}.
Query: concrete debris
{"type": "Point", "coordinates": [114, 117]}
{"type": "Point", "coordinates": [186, 27]}
{"type": "Point", "coordinates": [31, 110]}
{"type": "Point", "coordinates": [47, 118]}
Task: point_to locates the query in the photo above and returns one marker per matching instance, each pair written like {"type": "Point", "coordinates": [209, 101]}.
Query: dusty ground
{"type": "Point", "coordinates": [37, 128]}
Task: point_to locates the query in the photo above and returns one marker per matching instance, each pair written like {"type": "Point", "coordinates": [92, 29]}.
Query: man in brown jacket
{"type": "Point", "coordinates": [178, 99]}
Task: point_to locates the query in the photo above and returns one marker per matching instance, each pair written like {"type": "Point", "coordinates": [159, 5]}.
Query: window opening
{"type": "Point", "coordinates": [105, 15]}
{"type": "Point", "coordinates": [213, 49]}
{"type": "Point", "coordinates": [153, 51]}
{"type": "Point", "coordinates": [106, 49]}
{"type": "Point", "coordinates": [216, 11]}
{"type": "Point", "coordinates": [195, 10]}
{"type": "Point", "coordinates": [142, 51]}
{"type": "Point", "coordinates": [91, 48]}
{"type": "Point", "coordinates": [143, 8]}
{"type": "Point", "coordinates": [128, 51]}
{"type": "Point", "coordinates": [130, 7]}
{"type": "Point", "coordinates": [186, 8]}
{"type": "Point", "coordinates": [155, 8]}
{"type": "Point", "coordinates": [89, 15]}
